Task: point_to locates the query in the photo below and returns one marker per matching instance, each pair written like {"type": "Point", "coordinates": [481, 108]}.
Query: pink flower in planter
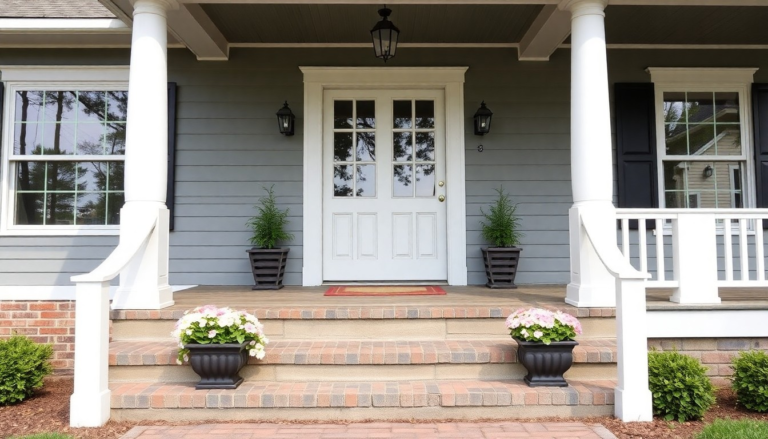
{"type": "Point", "coordinates": [212, 333]}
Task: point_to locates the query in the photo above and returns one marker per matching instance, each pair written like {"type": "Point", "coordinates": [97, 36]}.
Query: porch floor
{"type": "Point", "coordinates": [470, 297]}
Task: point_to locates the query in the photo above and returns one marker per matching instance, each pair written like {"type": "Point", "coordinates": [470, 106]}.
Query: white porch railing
{"type": "Point", "coordinates": [632, 397]}
{"type": "Point", "coordinates": [700, 244]}
{"type": "Point", "coordinates": [90, 401]}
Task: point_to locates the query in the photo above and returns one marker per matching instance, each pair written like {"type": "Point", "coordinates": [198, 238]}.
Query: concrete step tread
{"type": "Point", "coordinates": [373, 312]}
{"type": "Point", "coordinates": [405, 394]}
{"type": "Point", "coordinates": [365, 352]}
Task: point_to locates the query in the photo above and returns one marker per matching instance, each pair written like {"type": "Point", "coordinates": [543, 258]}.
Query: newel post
{"type": "Point", "coordinates": [591, 284]}
{"type": "Point", "coordinates": [144, 282]}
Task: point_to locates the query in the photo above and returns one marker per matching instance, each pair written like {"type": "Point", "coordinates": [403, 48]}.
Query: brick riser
{"type": "Point", "coordinates": [361, 400]}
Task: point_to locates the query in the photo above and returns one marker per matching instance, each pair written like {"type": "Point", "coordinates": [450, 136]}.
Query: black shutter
{"type": "Point", "coordinates": [169, 196]}
{"type": "Point", "coordinates": [760, 115]}
{"type": "Point", "coordinates": [636, 145]}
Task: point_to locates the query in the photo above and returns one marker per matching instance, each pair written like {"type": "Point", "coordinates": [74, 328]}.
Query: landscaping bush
{"type": "Point", "coordinates": [750, 380]}
{"type": "Point", "coordinates": [731, 429]}
{"type": "Point", "coordinates": [680, 387]}
{"type": "Point", "coordinates": [23, 365]}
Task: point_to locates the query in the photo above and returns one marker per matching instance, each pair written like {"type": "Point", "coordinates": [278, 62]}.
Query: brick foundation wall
{"type": "Point", "coordinates": [714, 353]}
{"type": "Point", "coordinates": [44, 322]}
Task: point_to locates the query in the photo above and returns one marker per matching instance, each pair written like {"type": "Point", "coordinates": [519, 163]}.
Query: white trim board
{"type": "Point", "coordinates": [316, 80]}
{"type": "Point", "coordinates": [62, 292]}
{"type": "Point", "coordinates": [707, 323]}
{"type": "Point", "coordinates": [35, 25]}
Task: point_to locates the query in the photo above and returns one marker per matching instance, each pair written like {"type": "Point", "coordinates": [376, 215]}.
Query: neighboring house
{"type": "Point", "coordinates": [384, 177]}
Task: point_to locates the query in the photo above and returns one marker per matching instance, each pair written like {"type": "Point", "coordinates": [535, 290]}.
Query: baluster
{"type": "Point", "coordinates": [760, 265]}
{"type": "Point", "coordinates": [625, 238]}
{"type": "Point", "coordinates": [744, 249]}
{"type": "Point", "coordinates": [660, 274]}
{"type": "Point", "coordinates": [643, 249]}
{"type": "Point", "coordinates": [728, 249]}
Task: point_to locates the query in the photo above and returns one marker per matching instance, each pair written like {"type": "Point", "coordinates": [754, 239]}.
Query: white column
{"type": "Point", "coordinates": [90, 402]}
{"type": "Point", "coordinates": [591, 153]}
{"type": "Point", "coordinates": [144, 282]}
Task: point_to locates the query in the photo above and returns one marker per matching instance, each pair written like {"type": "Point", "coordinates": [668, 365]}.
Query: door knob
{"type": "Point", "coordinates": [441, 198]}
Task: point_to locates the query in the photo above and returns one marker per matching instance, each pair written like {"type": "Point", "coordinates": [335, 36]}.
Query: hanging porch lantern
{"type": "Point", "coordinates": [483, 120]}
{"type": "Point", "coordinates": [384, 36]}
{"type": "Point", "coordinates": [285, 120]}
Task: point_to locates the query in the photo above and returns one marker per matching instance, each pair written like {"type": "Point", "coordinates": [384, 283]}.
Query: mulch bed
{"type": "Point", "coordinates": [48, 411]}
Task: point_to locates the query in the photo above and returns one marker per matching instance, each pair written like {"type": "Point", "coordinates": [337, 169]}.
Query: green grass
{"type": "Point", "coordinates": [44, 436]}
{"type": "Point", "coordinates": [730, 429]}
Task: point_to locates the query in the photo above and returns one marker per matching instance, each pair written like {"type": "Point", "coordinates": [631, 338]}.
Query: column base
{"type": "Point", "coordinates": [89, 410]}
{"type": "Point", "coordinates": [594, 296]}
{"type": "Point", "coordinates": [633, 405]}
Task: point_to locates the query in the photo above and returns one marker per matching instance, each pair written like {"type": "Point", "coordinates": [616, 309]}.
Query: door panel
{"type": "Point", "coordinates": [384, 154]}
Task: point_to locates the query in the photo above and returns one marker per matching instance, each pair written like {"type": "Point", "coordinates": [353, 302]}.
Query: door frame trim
{"type": "Point", "coordinates": [448, 79]}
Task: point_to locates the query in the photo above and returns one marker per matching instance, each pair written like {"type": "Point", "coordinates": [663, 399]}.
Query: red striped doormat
{"type": "Point", "coordinates": [388, 290]}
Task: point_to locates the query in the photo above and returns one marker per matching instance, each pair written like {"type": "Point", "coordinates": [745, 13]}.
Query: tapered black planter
{"type": "Point", "coordinates": [218, 364]}
{"type": "Point", "coordinates": [268, 267]}
{"type": "Point", "coordinates": [546, 364]}
{"type": "Point", "coordinates": [501, 266]}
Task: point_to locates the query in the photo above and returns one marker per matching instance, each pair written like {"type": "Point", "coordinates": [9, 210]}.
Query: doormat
{"type": "Point", "coordinates": [388, 290]}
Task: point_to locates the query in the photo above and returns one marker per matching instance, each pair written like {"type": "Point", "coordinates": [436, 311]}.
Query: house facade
{"type": "Point", "coordinates": [151, 124]}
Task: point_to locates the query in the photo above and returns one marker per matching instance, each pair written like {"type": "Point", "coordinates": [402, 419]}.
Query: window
{"type": "Point", "coordinates": [63, 157]}
{"type": "Point", "coordinates": [704, 152]}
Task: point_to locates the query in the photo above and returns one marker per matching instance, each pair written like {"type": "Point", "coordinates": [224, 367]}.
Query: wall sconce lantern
{"type": "Point", "coordinates": [384, 35]}
{"type": "Point", "coordinates": [285, 120]}
{"type": "Point", "coordinates": [483, 120]}
{"type": "Point", "coordinates": [708, 171]}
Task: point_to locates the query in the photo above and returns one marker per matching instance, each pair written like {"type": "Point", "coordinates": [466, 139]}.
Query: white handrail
{"type": "Point", "coordinates": [121, 255]}
{"type": "Point", "coordinates": [90, 402]}
{"type": "Point", "coordinates": [606, 250]}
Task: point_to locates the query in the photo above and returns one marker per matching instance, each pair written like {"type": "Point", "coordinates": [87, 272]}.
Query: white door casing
{"type": "Point", "coordinates": [383, 218]}
{"type": "Point", "coordinates": [448, 79]}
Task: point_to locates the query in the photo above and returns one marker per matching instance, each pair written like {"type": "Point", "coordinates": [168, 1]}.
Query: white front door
{"type": "Point", "coordinates": [384, 207]}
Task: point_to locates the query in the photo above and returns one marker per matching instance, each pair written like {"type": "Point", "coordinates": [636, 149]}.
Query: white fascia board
{"type": "Point", "coordinates": [62, 25]}
{"type": "Point", "coordinates": [707, 323]}
{"type": "Point", "coordinates": [52, 292]}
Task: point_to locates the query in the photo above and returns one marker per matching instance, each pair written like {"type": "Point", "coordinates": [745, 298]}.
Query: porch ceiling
{"type": "Point", "coordinates": [482, 23]}
{"type": "Point", "coordinates": [312, 23]}
{"type": "Point", "coordinates": [686, 25]}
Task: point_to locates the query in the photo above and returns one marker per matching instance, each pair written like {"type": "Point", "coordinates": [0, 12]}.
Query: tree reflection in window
{"type": "Point", "coordinates": [70, 191]}
{"type": "Point", "coordinates": [354, 149]}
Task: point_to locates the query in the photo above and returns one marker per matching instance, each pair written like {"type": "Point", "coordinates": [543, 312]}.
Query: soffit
{"type": "Point", "coordinates": [305, 23]}
{"type": "Point", "coordinates": [686, 25]}
{"type": "Point", "coordinates": [53, 9]}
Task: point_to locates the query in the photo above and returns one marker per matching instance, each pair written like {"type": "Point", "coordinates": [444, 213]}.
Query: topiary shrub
{"type": "Point", "coordinates": [680, 387]}
{"type": "Point", "coordinates": [750, 380]}
{"type": "Point", "coordinates": [23, 365]}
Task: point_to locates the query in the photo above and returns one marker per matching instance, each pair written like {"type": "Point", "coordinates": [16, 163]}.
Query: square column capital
{"type": "Point", "coordinates": [584, 7]}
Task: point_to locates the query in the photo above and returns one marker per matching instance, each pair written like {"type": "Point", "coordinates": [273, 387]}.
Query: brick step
{"type": "Point", "coordinates": [288, 361]}
{"type": "Point", "coordinates": [352, 400]}
{"type": "Point", "coordinates": [357, 329]}
{"type": "Point", "coordinates": [365, 352]}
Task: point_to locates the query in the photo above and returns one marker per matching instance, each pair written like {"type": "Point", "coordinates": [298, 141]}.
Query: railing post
{"type": "Point", "coordinates": [633, 398]}
{"type": "Point", "coordinates": [90, 402]}
{"type": "Point", "coordinates": [694, 245]}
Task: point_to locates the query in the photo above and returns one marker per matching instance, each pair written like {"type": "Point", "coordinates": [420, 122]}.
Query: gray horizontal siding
{"type": "Point", "coordinates": [228, 149]}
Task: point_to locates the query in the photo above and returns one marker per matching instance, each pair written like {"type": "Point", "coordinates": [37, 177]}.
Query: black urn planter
{"type": "Point", "coordinates": [501, 266]}
{"type": "Point", "coordinates": [218, 364]}
{"type": "Point", "coordinates": [268, 267]}
{"type": "Point", "coordinates": [546, 364]}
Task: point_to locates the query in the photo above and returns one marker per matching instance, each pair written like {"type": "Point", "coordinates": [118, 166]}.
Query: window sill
{"type": "Point", "coordinates": [61, 231]}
